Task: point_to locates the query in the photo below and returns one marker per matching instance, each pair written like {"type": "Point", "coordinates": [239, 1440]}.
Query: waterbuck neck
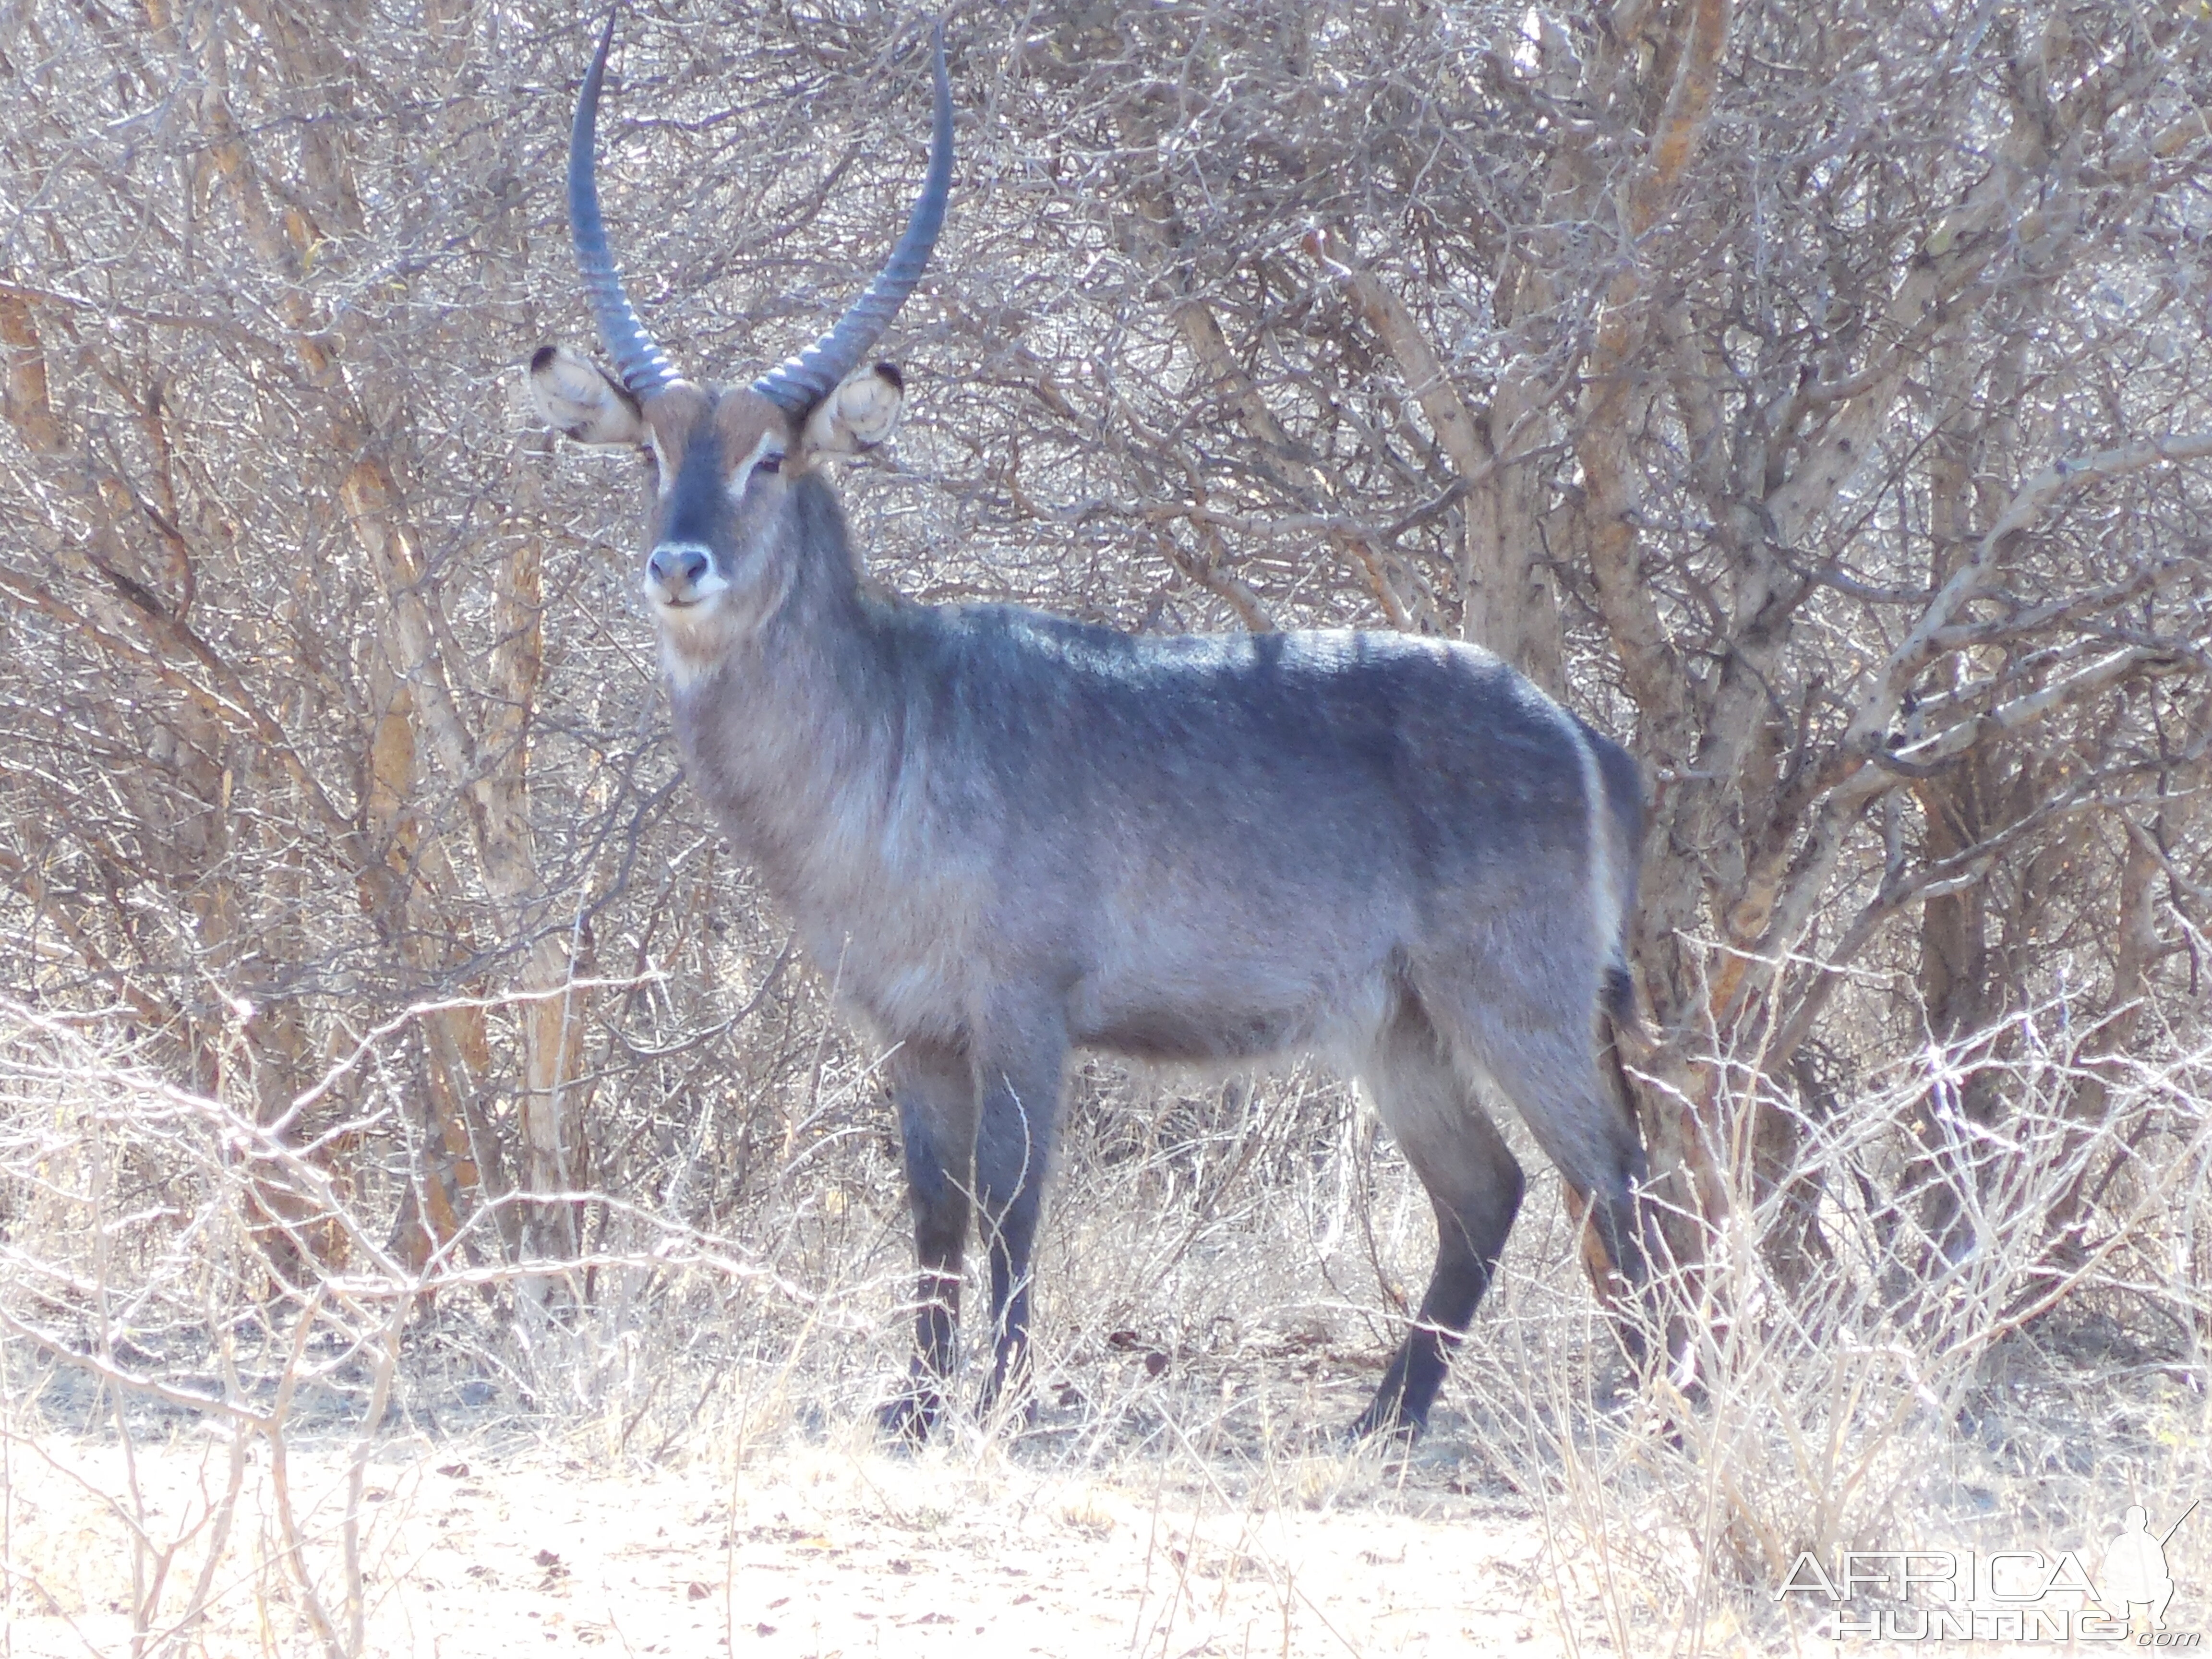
{"type": "Point", "coordinates": [794, 737]}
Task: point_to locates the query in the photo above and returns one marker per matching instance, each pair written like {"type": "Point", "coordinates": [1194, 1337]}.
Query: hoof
{"type": "Point", "coordinates": [1008, 1398]}
{"type": "Point", "coordinates": [1384, 1421]}
{"type": "Point", "coordinates": [910, 1417]}
{"type": "Point", "coordinates": [1017, 1416]}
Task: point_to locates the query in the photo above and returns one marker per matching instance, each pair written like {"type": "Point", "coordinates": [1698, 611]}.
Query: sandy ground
{"type": "Point", "coordinates": [815, 1552]}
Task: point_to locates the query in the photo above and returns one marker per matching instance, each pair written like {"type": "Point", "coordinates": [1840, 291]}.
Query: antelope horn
{"type": "Point", "coordinates": [802, 381]}
{"type": "Point", "coordinates": [641, 363]}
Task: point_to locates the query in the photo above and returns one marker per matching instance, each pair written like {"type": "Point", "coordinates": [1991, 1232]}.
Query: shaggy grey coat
{"type": "Point", "coordinates": [1005, 834]}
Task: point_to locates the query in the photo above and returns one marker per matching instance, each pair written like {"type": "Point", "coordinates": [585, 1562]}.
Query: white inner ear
{"type": "Point", "coordinates": [858, 415]}
{"type": "Point", "coordinates": [576, 398]}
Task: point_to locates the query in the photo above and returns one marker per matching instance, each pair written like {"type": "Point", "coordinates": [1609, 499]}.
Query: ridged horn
{"type": "Point", "coordinates": [643, 366]}
{"type": "Point", "coordinates": [802, 381]}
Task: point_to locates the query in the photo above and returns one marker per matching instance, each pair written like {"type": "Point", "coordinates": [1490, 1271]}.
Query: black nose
{"type": "Point", "coordinates": [678, 570]}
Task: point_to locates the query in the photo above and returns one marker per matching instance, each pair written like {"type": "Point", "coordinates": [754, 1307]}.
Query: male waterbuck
{"type": "Point", "coordinates": [1011, 835]}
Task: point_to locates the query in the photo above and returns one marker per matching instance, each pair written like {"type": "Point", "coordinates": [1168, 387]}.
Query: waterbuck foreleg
{"type": "Point", "coordinates": [1021, 1091]}
{"type": "Point", "coordinates": [934, 1087]}
{"type": "Point", "coordinates": [1475, 1185]}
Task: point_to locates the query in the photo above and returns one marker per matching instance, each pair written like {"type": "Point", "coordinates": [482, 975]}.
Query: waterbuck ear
{"type": "Point", "coordinates": [858, 415]}
{"type": "Point", "coordinates": [577, 397]}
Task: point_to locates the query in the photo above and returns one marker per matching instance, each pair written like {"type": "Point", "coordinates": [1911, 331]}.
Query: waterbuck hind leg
{"type": "Point", "coordinates": [1615, 1291]}
{"type": "Point", "coordinates": [1021, 1089]}
{"type": "Point", "coordinates": [1550, 1070]}
{"type": "Point", "coordinates": [934, 1088]}
{"type": "Point", "coordinates": [1475, 1185]}
{"type": "Point", "coordinates": [1554, 1081]}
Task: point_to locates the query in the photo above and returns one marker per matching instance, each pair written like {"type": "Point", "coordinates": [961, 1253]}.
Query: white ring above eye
{"type": "Point", "coordinates": [769, 449]}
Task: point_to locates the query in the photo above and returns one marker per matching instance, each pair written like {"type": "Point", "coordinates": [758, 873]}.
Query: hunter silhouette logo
{"type": "Point", "coordinates": [2023, 1596]}
{"type": "Point", "coordinates": [2133, 1572]}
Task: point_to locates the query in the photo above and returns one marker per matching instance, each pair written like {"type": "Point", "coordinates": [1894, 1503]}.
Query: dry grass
{"type": "Point", "coordinates": [666, 1446]}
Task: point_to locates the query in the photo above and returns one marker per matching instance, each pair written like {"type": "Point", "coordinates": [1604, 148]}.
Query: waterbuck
{"type": "Point", "coordinates": [1009, 835]}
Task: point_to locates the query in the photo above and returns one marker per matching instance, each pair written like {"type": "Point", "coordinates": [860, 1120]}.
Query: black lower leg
{"type": "Point", "coordinates": [1409, 1387]}
{"type": "Point", "coordinates": [1627, 1230]}
{"type": "Point", "coordinates": [930, 1124]}
{"type": "Point", "coordinates": [914, 1411]}
{"type": "Point", "coordinates": [1013, 1147]}
{"type": "Point", "coordinates": [1011, 1238]}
